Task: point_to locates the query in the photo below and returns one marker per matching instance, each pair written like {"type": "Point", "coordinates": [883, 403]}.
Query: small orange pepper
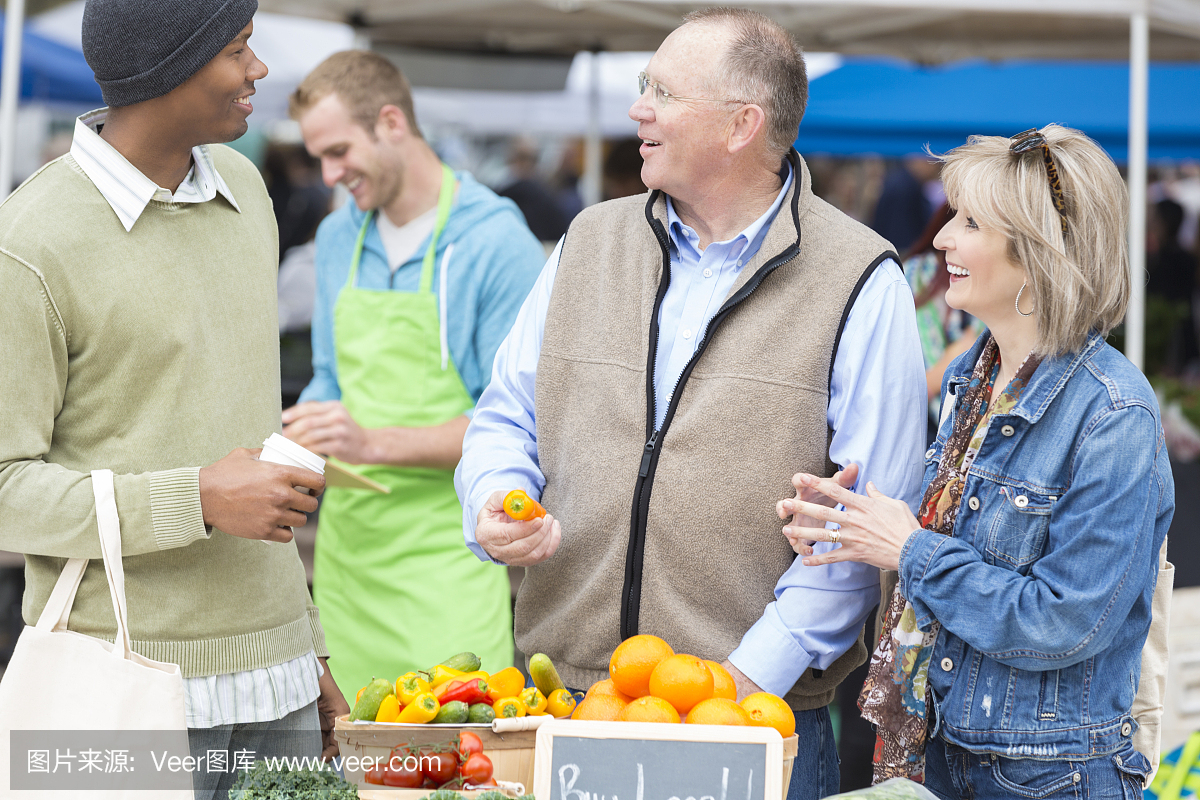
{"type": "Point", "coordinates": [521, 506]}
{"type": "Point", "coordinates": [508, 682]}
{"type": "Point", "coordinates": [508, 707]}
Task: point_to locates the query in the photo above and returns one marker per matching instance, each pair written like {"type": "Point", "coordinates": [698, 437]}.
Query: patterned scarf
{"type": "Point", "coordinates": [895, 693]}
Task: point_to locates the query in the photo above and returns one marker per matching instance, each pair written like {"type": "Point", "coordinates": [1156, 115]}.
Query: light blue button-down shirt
{"type": "Point", "coordinates": [876, 412]}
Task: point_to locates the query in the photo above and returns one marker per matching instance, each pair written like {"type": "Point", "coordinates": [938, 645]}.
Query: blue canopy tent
{"type": "Point", "coordinates": [893, 108]}
{"type": "Point", "coordinates": [52, 72]}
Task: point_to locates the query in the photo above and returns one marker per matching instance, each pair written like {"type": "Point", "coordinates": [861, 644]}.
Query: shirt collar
{"type": "Point", "coordinates": [124, 186]}
{"type": "Point", "coordinates": [752, 236]}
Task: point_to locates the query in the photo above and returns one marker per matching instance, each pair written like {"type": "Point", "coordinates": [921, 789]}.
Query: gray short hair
{"type": "Point", "coordinates": [1079, 282]}
{"type": "Point", "coordinates": [763, 65]}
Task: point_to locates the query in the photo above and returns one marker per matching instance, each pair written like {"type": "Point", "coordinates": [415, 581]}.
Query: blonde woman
{"type": "Point", "coordinates": [1010, 654]}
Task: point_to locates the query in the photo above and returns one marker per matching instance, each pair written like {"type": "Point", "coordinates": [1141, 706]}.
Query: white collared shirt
{"type": "Point", "coordinates": [124, 186]}
{"type": "Point", "coordinates": [257, 695]}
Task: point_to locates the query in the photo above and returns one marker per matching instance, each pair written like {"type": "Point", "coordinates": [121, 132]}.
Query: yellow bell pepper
{"type": "Point", "coordinates": [423, 708]}
{"type": "Point", "coordinates": [470, 676]}
{"type": "Point", "coordinates": [441, 674]}
{"type": "Point", "coordinates": [409, 685]}
{"type": "Point", "coordinates": [534, 701]}
{"type": "Point", "coordinates": [508, 682]}
{"type": "Point", "coordinates": [389, 709]}
{"type": "Point", "coordinates": [508, 707]}
{"type": "Point", "coordinates": [560, 703]}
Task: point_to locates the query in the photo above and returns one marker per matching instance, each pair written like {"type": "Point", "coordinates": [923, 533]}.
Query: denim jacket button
{"type": "Point", "coordinates": [1007, 430]}
{"type": "Point", "coordinates": [929, 453]}
{"type": "Point", "coordinates": [1021, 501]}
{"type": "Point", "coordinates": [974, 503]}
{"type": "Point", "coordinates": [947, 665]}
{"type": "Point", "coordinates": [1076, 778]}
{"type": "Point", "coordinates": [1126, 729]}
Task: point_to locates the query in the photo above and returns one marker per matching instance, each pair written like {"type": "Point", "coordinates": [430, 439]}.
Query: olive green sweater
{"type": "Point", "coordinates": [152, 353]}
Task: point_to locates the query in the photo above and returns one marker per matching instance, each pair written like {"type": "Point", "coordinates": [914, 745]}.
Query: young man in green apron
{"type": "Point", "coordinates": [418, 281]}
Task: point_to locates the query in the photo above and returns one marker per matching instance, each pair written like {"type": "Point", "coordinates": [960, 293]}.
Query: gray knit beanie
{"type": "Point", "coordinates": [142, 49]}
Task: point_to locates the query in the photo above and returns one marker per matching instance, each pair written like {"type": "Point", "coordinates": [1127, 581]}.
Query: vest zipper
{"type": "Point", "coordinates": [631, 595]}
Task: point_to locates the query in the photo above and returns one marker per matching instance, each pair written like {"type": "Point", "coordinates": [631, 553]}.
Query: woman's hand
{"type": "Point", "coordinates": [845, 478]}
{"type": "Point", "coordinates": [873, 528]}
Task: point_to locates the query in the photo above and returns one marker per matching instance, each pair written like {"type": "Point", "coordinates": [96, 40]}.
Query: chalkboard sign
{"type": "Point", "coordinates": [578, 760]}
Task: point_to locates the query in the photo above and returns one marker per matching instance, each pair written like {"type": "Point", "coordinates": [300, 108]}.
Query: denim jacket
{"type": "Point", "coordinates": [1044, 591]}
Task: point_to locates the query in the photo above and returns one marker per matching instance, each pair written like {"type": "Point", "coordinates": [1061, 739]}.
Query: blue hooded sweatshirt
{"type": "Point", "coordinates": [494, 265]}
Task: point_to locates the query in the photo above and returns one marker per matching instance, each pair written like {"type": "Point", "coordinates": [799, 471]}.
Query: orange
{"type": "Point", "coordinates": [723, 685]}
{"type": "Point", "coordinates": [718, 711]}
{"type": "Point", "coordinates": [599, 706]}
{"type": "Point", "coordinates": [606, 686]}
{"type": "Point", "coordinates": [649, 709]}
{"type": "Point", "coordinates": [769, 711]}
{"type": "Point", "coordinates": [682, 680]}
{"type": "Point", "coordinates": [634, 660]}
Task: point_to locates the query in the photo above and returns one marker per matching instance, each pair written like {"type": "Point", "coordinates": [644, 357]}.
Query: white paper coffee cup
{"type": "Point", "coordinates": [282, 450]}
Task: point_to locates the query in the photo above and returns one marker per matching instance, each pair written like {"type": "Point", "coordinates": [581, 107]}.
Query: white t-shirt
{"type": "Point", "coordinates": [401, 243]}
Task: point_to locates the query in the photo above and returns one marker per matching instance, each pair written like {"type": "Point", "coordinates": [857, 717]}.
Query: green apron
{"type": "Point", "coordinates": [397, 587]}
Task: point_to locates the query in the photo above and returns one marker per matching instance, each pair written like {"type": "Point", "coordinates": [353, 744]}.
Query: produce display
{"type": "Point", "coordinates": [459, 766]}
{"type": "Point", "coordinates": [458, 692]}
{"type": "Point", "coordinates": [649, 682]}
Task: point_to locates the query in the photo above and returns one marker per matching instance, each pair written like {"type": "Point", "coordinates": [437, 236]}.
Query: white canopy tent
{"type": "Point", "coordinates": [922, 30]}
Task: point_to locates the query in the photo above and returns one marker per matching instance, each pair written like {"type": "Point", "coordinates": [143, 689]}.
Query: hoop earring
{"type": "Point", "coordinates": [1017, 303]}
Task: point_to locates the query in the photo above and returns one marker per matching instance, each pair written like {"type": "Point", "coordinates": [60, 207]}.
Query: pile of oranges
{"type": "Point", "coordinates": [650, 682]}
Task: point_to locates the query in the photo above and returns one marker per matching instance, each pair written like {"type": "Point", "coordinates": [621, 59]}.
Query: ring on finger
{"type": "Point", "coordinates": [835, 536]}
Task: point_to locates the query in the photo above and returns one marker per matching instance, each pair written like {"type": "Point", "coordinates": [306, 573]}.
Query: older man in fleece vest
{"type": "Point", "coordinates": [683, 355]}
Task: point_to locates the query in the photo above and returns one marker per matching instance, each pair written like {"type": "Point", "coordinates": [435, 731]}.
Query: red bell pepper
{"type": "Point", "coordinates": [472, 691]}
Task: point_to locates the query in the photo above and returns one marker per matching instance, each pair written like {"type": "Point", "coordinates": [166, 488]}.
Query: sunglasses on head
{"type": "Point", "coordinates": [1031, 140]}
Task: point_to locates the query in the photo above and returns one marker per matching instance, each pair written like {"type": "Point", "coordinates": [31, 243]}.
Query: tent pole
{"type": "Point", "coordinates": [1139, 82]}
{"type": "Point", "coordinates": [10, 87]}
{"type": "Point", "coordinates": [592, 145]}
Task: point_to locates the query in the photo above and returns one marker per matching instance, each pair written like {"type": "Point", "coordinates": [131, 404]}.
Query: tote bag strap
{"type": "Point", "coordinates": [58, 607]}
{"type": "Point", "coordinates": [110, 548]}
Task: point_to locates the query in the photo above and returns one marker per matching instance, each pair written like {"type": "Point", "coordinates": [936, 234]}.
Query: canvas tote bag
{"type": "Point", "coordinates": [1152, 688]}
{"type": "Point", "coordinates": [60, 680]}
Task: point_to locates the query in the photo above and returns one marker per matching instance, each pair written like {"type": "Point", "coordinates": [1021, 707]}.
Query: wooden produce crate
{"type": "Point", "coordinates": [511, 751]}
{"type": "Point", "coordinates": [791, 746]}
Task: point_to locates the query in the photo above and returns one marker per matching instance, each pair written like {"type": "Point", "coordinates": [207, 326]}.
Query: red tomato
{"type": "Point", "coordinates": [439, 767]}
{"type": "Point", "coordinates": [402, 777]}
{"type": "Point", "coordinates": [469, 744]}
{"type": "Point", "coordinates": [477, 769]}
{"type": "Point", "coordinates": [375, 776]}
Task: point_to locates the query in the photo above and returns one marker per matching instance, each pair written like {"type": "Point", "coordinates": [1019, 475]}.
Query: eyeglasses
{"type": "Point", "coordinates": [1029, 140]}
{"type": "Point", "coordinates": [662, 97]}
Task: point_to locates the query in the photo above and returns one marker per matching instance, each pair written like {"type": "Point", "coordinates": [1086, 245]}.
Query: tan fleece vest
{"type": "Point", "coordinates": [751, 414]}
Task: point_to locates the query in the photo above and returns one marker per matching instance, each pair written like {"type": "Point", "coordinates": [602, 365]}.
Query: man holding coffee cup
{"type": "Point", "coordinates": [418, 281]}
{"type": "Point", "coordinates": [137, 306]}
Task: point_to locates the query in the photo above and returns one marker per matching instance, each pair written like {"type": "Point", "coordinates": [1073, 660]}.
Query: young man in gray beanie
{"type": "Point", "coordinates": [137, 306]}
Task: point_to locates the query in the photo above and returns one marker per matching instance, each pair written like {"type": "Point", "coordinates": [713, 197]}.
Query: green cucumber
{"type": "Point", "coordinates": [545, 676]}
{"type": "Point", "coordinates": [463, 662]}
{"type": "Point", "coordinates": [453, 713]}
{"type": "Point", "coordinates": [368, 704]}
{"type": "Point", "coordinates": [481, 713]}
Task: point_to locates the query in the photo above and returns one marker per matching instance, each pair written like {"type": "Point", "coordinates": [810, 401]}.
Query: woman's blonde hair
{"type": "Point", "coordinates": [1077, 282]}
